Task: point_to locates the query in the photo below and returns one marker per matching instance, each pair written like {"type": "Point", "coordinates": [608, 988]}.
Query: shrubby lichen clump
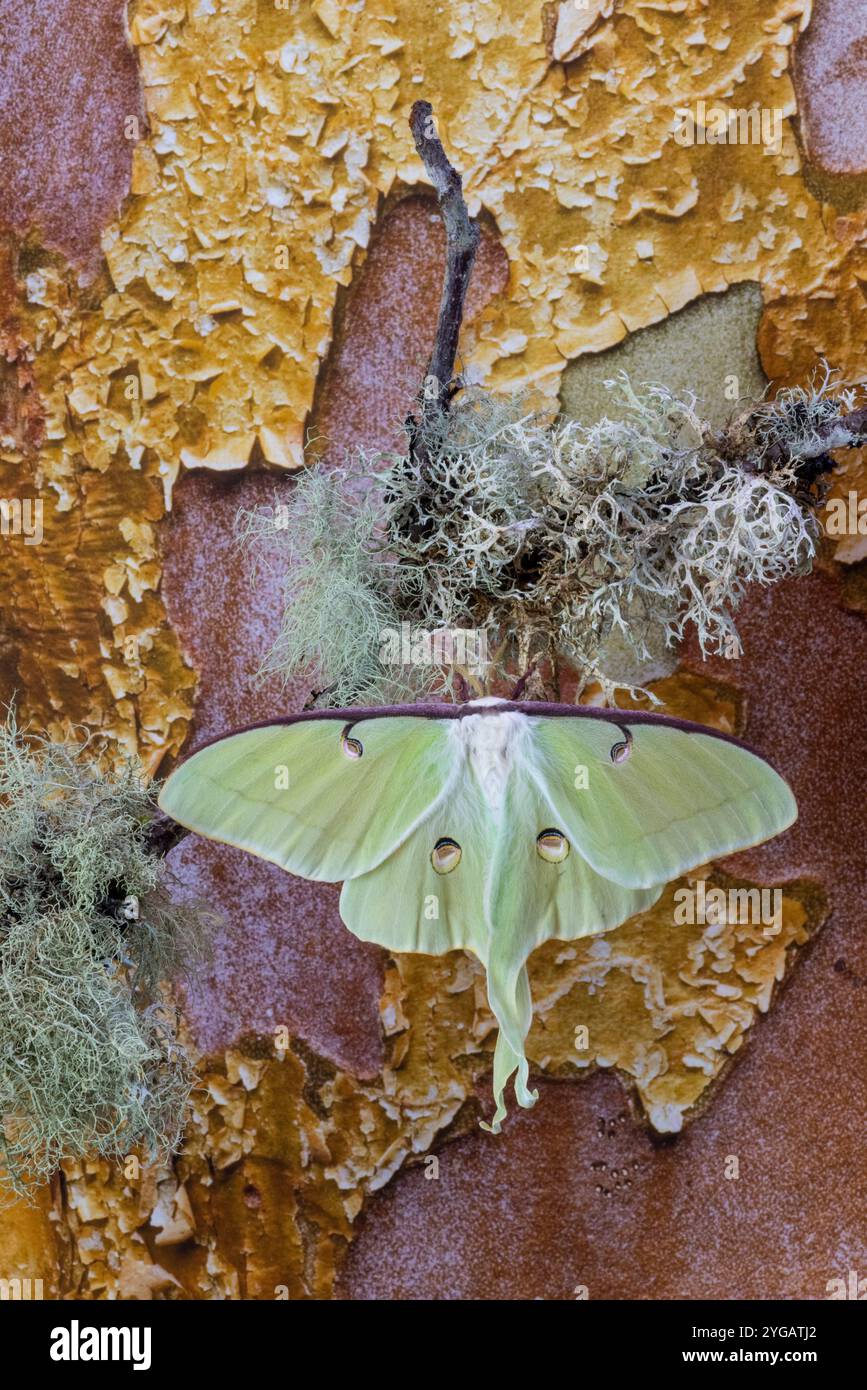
{"type": "Point", "coordinates": [564, 542]}
{"type": "Point", "coordinates": [89, 1059]}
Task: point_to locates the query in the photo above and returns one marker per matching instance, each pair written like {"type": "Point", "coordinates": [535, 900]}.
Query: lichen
{"type": "Point", "coordinates": [550, 538]}
{"type": "Point", "coordinates": [336, 584]}
{"type": "Point", "coordinates": [268, 147]}
{"type": "Point", "coordinates": [571, 156]}
{"type": "Point", "coordinates": [89, 1057]}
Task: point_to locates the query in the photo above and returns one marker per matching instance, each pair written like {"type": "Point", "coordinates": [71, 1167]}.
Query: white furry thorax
{"type": "Point", "coordinates": [490, 743]}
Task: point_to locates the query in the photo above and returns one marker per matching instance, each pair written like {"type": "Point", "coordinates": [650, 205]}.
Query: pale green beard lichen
{"type": "Point", "coordinates": [338, 592]}
{"type": "Point", "coordinates": [89, 1060]}
{"type": "Point", "coordinates": [561, 541]}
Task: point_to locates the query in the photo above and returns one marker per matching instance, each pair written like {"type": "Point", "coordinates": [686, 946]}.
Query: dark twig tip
{"type": "Point", "coordinates": [462, 240]}
{"type": "Point", "coordinates": [163, 833]}
{"type": "Point", "coordinates": [522, 683]}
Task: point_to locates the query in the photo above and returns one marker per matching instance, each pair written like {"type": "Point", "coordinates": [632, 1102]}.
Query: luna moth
{"type": "Point", "coordinates": [489, 826]}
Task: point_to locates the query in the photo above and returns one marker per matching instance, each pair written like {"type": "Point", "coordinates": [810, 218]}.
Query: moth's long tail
{"type": "Point", "coordinates": [509, 998]}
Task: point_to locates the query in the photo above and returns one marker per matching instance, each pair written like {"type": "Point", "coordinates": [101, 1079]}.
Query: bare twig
{"type": "Point", "coordinates": [462, 234]}
{"type": "Point", "coordinates": [846, 432]}
{"type": "Point", "coordinates": [521, 685]}
{"type": "Point", "coordinates": [811, 457]}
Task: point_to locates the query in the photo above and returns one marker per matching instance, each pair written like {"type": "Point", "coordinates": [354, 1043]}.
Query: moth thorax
{"type": "Point", "coordinates": [490, 742]}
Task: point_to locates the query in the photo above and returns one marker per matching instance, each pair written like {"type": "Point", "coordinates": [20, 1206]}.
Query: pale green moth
{"type": "Point", "coordinates": [489, 826]}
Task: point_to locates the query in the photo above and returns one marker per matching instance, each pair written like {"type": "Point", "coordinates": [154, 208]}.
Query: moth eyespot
{"type": "Point", "coordinates": [446, 856]}
{"type": "Point", "coordinates": [352, 747]}
{"type": "Point", "coordinates": [621, 751]}
{"type": "Point", "coordinates": [552, 846]}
